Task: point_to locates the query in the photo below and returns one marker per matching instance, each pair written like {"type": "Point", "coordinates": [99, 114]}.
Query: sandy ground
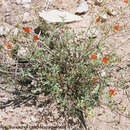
{"type": "Point", "coordinates": [101, 117]}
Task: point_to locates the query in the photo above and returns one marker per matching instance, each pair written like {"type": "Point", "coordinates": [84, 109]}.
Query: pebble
{"type": "Point", "coordinates": [93, 32]}
{"type": "Point", "coordinates": [34, 83]}
{"type": "Point", "coordinates": [22, 52]}
{"type": "Point", "coordinates": [4, 99]}
{"type": "Point", "coordinates": [103, 73]}
{"type": "Point", "coordinates": [11, 110]}
{"type": "Point", "coordinates": [27, 17]}
{"type": "Point", "coordinates": [82, 8]}
{"type": "Point", "coordinates": [40, 109]}
{"type": "Point", "coordinates": [18, 2]}
{"type": "Point", "coordinates": [111, 12]}
{"type": "Point", "coordinates": [26, 1]}
{"type": "Point", "coordinates": [32, 118]}
{"type": "Point", "coordinates": [27, 6]}
{"type": "Point", "coordinates": [26, 121]}
{"type": "Point", "coordinates": [100, 1]}
{"type": "Point", "coordinates": [57, 16]}
{"type": "Point", "coordinates": [22, 1]}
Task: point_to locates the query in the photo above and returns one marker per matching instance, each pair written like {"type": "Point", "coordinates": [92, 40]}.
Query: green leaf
{"type": "Point", "coordinates": [37, 90]}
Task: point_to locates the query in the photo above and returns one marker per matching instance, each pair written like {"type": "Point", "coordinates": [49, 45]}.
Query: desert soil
{"type": "Point", "coordinates": [101, 117]}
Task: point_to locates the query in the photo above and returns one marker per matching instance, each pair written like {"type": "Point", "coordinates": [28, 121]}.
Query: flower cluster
{"type": "Point", "coordinates": [7, 45]}
{"type": "Point", "coordinates": [36, 37]}
{"type": "Point", "coordinates": [28, 30]}
{"type": "Point", "coordinates": [99, 19]}
{"type": "Point", "coordinates": [104, 60]}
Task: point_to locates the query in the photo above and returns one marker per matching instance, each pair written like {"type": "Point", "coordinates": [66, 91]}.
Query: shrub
{"type": "Point", "coordinates": [64, 64]}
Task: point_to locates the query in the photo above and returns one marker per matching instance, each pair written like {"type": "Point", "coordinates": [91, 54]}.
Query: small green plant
{"type": "Point", "coordinates": [64, 64]}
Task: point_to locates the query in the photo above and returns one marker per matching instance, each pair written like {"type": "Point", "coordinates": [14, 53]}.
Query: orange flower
{"type": "Point", "coordinates": [27, 30]}
{"type": "Point", "coordinates": [105, 60]}
{"type": "Point", "coordinates": [62, 31]}
{"type": "Point", "coordinates": [111, 91]}
{"type": "Point", "coordinates": [35, 37]}
{"type": "Point", "coordinates": [9, 46]}
{"type": "Point", "coordinates": [126, 1]}
{"type": "Point", "coordinates": [94, 57]}
{"type": "Point", "coordinates": [116, 27]}
{"type": "Point", "coordinates": [95, 80]}
{"type": "Point", "coordinates": [57, 75]}
{"type": "Point", "coordinates": [97, 20]}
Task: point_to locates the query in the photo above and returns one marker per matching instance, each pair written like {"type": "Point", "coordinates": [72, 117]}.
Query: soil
{"type": "Point", "coordinates": [101, 117]}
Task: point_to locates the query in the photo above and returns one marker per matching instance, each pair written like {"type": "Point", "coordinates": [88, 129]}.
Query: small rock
{"type": "Point", "coordinates": [40, 109]}
{"type": "Point", "coordinates": [98, 2]}
{"type": "Point", "coordinates": [103, 73]}
{"type": "Point", "coordinates": [22, 52]}
{"type": "Point", "coordinates": [5, 99]}
{"type": "Point", "coordinates": [27, 17]}
{"type": "Point", "coordinates": [34, 83]}
{"type": "Point", "coordinates": [22, 1]}
{"type": "Point", "coordinates": [56, 16]}
{"type": "Point", "coordinates": [26, 121]}
{"type": "Point", "coordinates": [11, 110]}
{"type": "Point", "coordinates": [18, 2]}
{"type": "Point", "coordinates": [33, 119]}
{"type": "Point", "coordinates": [27, 6]}
{"type": "Point", "coordinates": [26, 1]}
{"type": "Point", "coordinates": [82, 8]}
{"type": "Point", "coordinates": [111, 12]}
{"type": "Point", "coordinates": [73, 128]}
{"type": "Point", "coordinates": [92, 32]}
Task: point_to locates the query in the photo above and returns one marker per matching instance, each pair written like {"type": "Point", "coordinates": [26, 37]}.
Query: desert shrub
{"type": "Point", "coordinates": [64, 64]}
